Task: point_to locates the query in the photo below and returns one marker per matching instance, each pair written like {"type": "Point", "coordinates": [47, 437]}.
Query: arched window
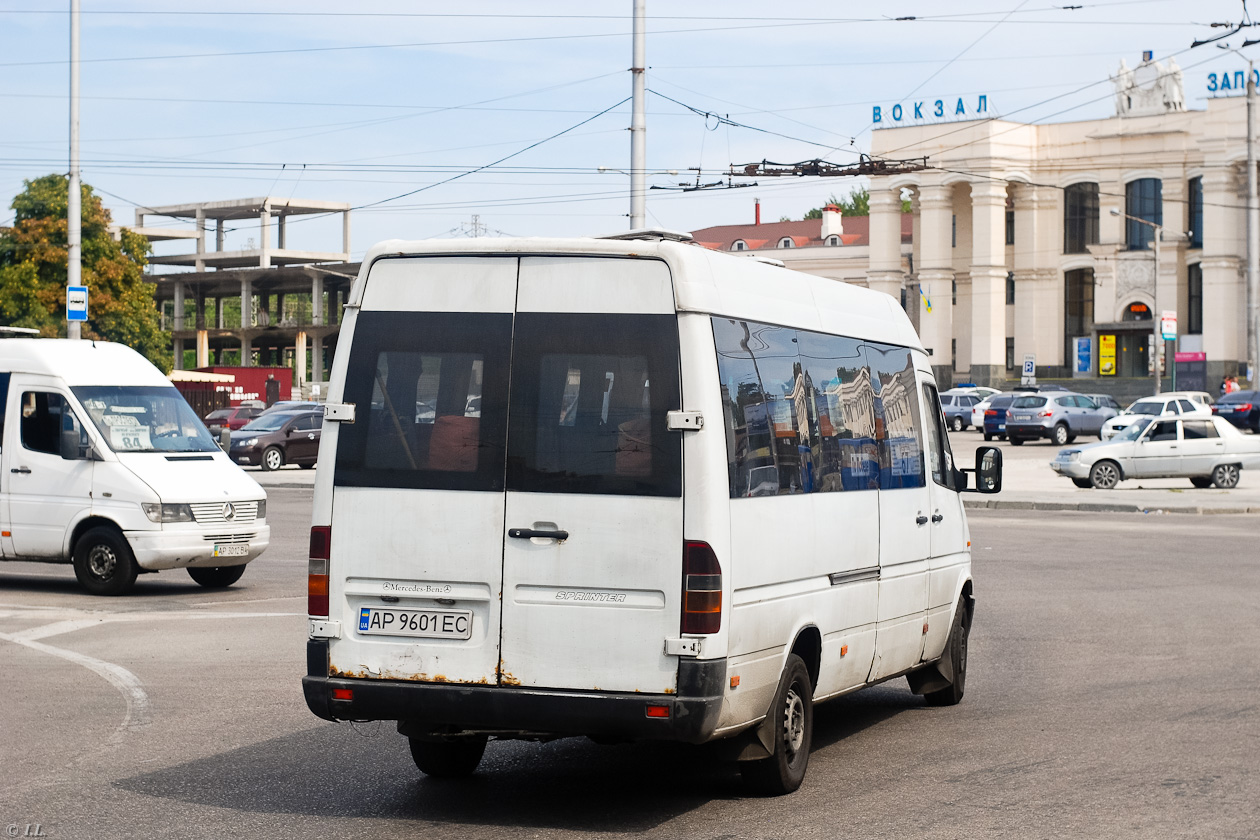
{"type": "Point", "coordinates": [1137, 312]}
{"type": "Point", "coordinates": [833, 240]}
{"type": "Point", "coordinates": [739, 245]}
{"type": "Point", "coordinates": [786, 242]}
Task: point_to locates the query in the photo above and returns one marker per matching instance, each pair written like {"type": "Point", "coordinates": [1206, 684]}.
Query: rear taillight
{"type": "Point", "coordinates": [1046, 414]}
{"type": "Point", "coordinates": [990, 412]}
{"type": "Point", "coordinates": [1243, 407]}
{"type": "Point", "coordinates": [317, 571]}
{"type": "Point", "coordinates": [702, 589]}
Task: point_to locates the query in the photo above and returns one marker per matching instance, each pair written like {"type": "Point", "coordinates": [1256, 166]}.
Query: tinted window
{"type": "Point", "coordinates": [1186, 405]}
{"type": "Point", "coordinates": [1165, 430]}
{"type": "Point", "coordinates": [42, 415]}
{"type": "Point", "coordinates": [970, 401]}
{"type": "Point", "coordinates": [1198, 429]}
{"type": "Point", "coordinates": [940, 458]}
{"type": "Point", "coordinates": [1028, 402]}
{"type": "Point", "coordinates": [590, 395]}
{"type": "Point", "coordinates": [947, 399]}
{"type": "Point", "coordinates": [307, 423]}
{"type": "Point", "coordinates": [840, 407]}
{"type": "Point", "coordinates": [1066, 401]}
{"type": "Point", "coordinates": [897, 416]}
{"type": "Point", "coordinates": [1085, 402]}
{"type": "Point", "coordinates": [1002, 402]}
{"type": "Point", "coordinates": [398, 438]}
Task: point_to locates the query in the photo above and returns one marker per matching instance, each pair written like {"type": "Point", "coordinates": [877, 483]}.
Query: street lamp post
{"type": "Point", "coordinates": [1157, 346]}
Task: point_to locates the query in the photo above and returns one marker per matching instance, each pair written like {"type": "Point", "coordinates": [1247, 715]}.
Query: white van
{"type": "Point", "coordinates": [104, 464]}
{"type": "Point", "coordinates": [698, 494]}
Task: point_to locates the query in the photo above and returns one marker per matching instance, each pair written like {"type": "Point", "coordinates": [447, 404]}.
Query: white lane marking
{"type": "Point", "coordinates": [71, 625]}
{"type": "Point", "coordinates": [138, 714]}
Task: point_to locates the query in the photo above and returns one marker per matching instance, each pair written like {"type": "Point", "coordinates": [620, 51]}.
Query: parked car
{"type": "Point", "coordinates": [977, 411]}
{"type": "Point", "coordinates": [1105, 401]}
{"type": "Point", "coordinates": [995, 416]}
{"type": "Point", "coordinates": [1242, 408]}
{"type": "Point", "coordinates": [957, 408]}
{"type": "Point", "coordinates": [969, 388]}
{"type": "Point", "coordinates": [293, 405]}
{"type": "Point", "coordinates": [1038, 389]}
{"type": "Point", "coordinates": [1207, 450]}
{"type": "Point", "coordinates": [1059, 417]}
{"type": "Point", "coordinates": [279, 438]}
{"type": "Point", "coordinates": [231, 418]}
{"type": "Point", "coordinates": [1172, 404]}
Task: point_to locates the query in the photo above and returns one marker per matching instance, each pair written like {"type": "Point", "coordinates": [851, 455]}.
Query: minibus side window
{"type": "Point", "coordinates": [940, 457]}
{"type": "Point", "coordinates": [765, 398]}
{"type": "Point", "coordinates": [44, 415]}
{"type": "Point", "coordinates": [897, 416]}
{"type": "Point", "coordinates": [4, 401]}
{"type": "Point", "coordinates": [841, 413]}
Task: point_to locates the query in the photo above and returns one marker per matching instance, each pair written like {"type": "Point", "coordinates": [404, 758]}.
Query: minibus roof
{"type": "Point", "coordinates": [79, 362]}
{"type": "Point", "coordinates": [711, 282]}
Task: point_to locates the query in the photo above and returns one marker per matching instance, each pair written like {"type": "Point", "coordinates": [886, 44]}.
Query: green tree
{"type": "Point", "coordinates": [33, 257]}
{"type": "Point", "coordinates": [856, 203]}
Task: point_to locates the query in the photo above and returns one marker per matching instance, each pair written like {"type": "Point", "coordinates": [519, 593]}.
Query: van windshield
{"type": "Point", "coordinates": [144, 419]}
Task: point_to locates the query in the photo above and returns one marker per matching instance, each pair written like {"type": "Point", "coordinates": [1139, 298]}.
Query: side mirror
{"type": "Point", "coordinates": [70, 444]}
{"type": "Point", "coordinates": [288, 432]}
{"type": "Point", "coordinates": [988, 471]}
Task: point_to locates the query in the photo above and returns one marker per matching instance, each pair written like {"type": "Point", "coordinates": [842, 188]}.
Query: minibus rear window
{"type": "Point", "coordinates": [432, 395]}
{"type": "Point", "coordinates": [590, 394]}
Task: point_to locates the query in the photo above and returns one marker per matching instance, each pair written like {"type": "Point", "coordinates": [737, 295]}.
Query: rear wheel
{"type": "Point", "coordinates": [103, 562]}
{"type": "Point", "coordinates": [216, 577]}
{"type": "Point", "coordinates": [957, 424]}
{"type": "Point", "coordinates": [1225, 476]}
{"type": "Point", "coordinates": [307, 466]}
{"type": "Point", "coordinates": [1016, 441]}
{"type": "Point", "coordinates": [447, 759]}
{"type": "Point", "coordinates": [1060, 435]}
{"type": "Point", "coordinates": [273, 458]}
{"type": "Point", "coordinates": [1084, 483]}
{"type": "Point", "coordinates": [1105, 475]}
{"type": "Point", "coordinates": [792, 717]}
{"type": "Point", "coordinates": [987, 437]}
{"type": "Point", "coordinates": [956, 651]}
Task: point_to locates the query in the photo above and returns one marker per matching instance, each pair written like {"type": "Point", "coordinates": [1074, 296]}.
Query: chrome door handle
{"type": "Point", "coordinates": [920, 520]}
{"type": "Point", "coordinates": [23, 470]}
{"type": "Point", "coordinates": [938, 517]}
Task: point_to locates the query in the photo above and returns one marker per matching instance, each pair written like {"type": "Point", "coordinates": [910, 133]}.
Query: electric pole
{"type": "Point", "coordinates": [638, 121]}
{"type": "Point", "coordinates": [1253, 233]}
{"type": "Point", "coordinates": [74, 212]}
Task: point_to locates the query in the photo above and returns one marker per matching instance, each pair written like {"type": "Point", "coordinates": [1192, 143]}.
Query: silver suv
{"type": "Point", "coordinates": [1059, 417]}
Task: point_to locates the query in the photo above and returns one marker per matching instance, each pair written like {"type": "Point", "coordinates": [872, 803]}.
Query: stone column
{"type": "Point", "coordinates": [317, 319]}
{"type": "Point", "coordinates": [247, 319]}
{"type": "Point", "coordinates": [1224, 292]}
{"type": "Point", "coordinates": [885, 273]}
{"type": "Point", "coordinates": [219, 233]}
{"type": "Point", "coordinates": [936, 276]}
{"type": "Point", "coordinates": [218, 312]}
{"type": "Point", "coordinates": [177, 325]}
{"type": "Point", "coordinates": [264, 236]}
{"type": "Point", "coordinates": [281, 232]}
{"type": "Point", "coordinates": [201, 239]}
{"type": "Point", "coordinates": [345, 234]}
{"type": "Point", "coordinates": [988, 281]}
{"type": "Point", "coordinates": [299, 359]}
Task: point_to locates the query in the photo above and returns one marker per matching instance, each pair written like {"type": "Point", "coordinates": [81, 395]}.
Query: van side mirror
{"type": "Point", "coordinates": [72, 447]}
{"type": "Point", "coordinates": [988, 471]}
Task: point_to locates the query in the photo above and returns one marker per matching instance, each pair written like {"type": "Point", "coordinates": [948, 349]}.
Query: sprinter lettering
{"type": "Point", "coordinates": [611, 597]}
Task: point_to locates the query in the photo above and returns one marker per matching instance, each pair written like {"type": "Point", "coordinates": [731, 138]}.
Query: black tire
{"type": "Point", "coordinates": [957, 424]}
{"type": "Point", "coordinates": [792, 715]}
{"type": "Point", "coordinates": [1225, 476]}
{"type": "Point", "coordinates": [987, 437]}
{"type": "Point", "coordinates": [956, 650]}
{"type": "Point", "coordinates": [1104, 475]}
{"type": "Point", "coordinates": [1083, 483]}
{"type": "Point", "coordinates": [1060, 435]}
{"type": "Point", "coordinates": [1016, 441]}
{"type": "Point", "coordinates": [216, 577]}
{"type": "Point", "coordinates": [1071, 438]}
{"type": "Point", "coordinates": [447, 759]}
{"type": "Point", "coordinates": [272, 458]}
{"type": "Point", "coordinates": [1201, 481]}
{"type": "Point", "coordinates": [103, 562]}
{"type": "Point", "coordinates": [307, 466]}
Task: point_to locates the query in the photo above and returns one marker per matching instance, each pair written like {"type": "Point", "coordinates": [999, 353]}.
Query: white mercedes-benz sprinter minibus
{"type": "Point", "coordinates": [629, 488]}
{"type": "Point", "coordinates": [104, 464]}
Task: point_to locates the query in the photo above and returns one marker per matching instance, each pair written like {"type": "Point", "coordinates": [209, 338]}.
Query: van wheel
{"type": "Point", "coordinates": [1104, 475]}
{"type": "Point", "coordinates": [1201, 481]}
{"type": "Point", "coordinates": [447, 759]}
{"type": "Point", "coordinates": [792, 717]}
{"type": "Point", "coordinates": [1085, 483]}
{"type": "Point", "coordinates": [956, 650]}
{"type": "Point", "coordinates": [957, 424]}
{"type": "Point", "coordinates": [103, 562]}
{"type": "Point", "coordinates": [216, 577]}
{"type": "Point", "coordinates": [273, 458]}
{"type": "Point", "coordinates": [1225, 476]}
{"type": "Point", "coordinates": [1060, 435]}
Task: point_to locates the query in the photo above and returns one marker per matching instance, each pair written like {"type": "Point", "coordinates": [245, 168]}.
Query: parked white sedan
{"type": "Point", "coordinates": [1181, 403]}
{"type": "Point", "coordinates": [1206, 450]}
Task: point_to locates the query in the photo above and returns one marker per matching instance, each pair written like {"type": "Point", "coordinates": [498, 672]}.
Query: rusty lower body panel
{"type": "Point", "coordinates": [693, 711]}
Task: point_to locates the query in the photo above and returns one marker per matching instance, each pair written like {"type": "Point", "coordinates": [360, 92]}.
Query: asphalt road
{"type": "Point", "coordinates": [1111, 693]}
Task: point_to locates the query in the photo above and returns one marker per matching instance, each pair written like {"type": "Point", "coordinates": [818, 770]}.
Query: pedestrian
{"type": "Point", "coordinates": [1231, 384]}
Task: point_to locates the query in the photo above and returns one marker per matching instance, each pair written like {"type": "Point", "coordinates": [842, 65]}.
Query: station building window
{"type": "Point", "coordinates": [1143, 200]}
{"type": "Point", "coordinates": [1196, 212]}
{"type": "Point", "coordinates": [1080, 218]}
{"type": "Point", "coordinates": [1078, 306]}
{"type": "Point", "coordinates": [1194, 301]}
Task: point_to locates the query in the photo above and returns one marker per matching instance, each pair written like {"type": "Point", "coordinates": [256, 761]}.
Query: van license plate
{"type": "Point", "coordinates": [431, 624]}
{"type": "Point", "coordinates": [231, 550]}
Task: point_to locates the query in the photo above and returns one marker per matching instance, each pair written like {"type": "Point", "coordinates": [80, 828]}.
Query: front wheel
{"type": "Point", "coordinates": [447, 759]}
{"type": "Point", "coordinates": [956, 656]}
{"type": "Point", "coordinates": [273, 458]}
{"type": "Point", "coordinates": [957, 424]}
{"type": "Point", "coordinates": [1104, 475]}
{"type": "Point", "coordinates": [792, 717]}
{"type": "Point", "coordinates": [1060, 435]}
{"type": "Point", "coordinates": [216, 577]}
{"type": "Point", "coordinates": [103, 562]}
{"type": "Point", "coordinates": [1225, 476]}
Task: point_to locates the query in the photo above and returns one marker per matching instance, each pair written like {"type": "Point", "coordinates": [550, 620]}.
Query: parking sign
{"type": "Point", "coordinates": [1029, 376]}
{"type": "Point", "coordinates": [76, 303]}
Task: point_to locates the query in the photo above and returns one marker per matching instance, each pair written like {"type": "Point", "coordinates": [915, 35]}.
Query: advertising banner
{"type": "Point", "coordinates": [1106, 355]}
{"type": "Point", "coordinates": [1084, 355]}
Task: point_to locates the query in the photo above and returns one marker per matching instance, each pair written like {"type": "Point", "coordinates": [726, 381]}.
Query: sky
{"type": "Point", "coordinates": [423, 116]}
